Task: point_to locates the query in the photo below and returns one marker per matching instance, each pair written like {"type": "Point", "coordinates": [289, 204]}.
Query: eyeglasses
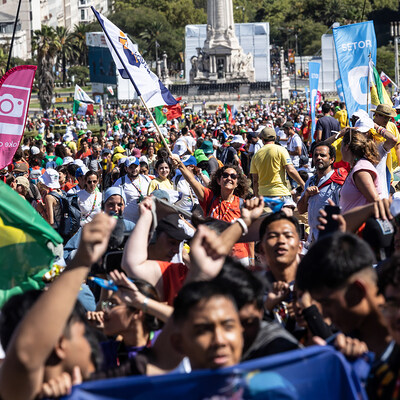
{"type": "Point", "coordinates": [107, 305]}
{"type": "Point", "coordinates": [226, 175]}
{"type": "Point", "coordinates": [95, 181]}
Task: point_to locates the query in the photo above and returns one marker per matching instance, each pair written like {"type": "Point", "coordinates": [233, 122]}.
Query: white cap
{"type": "Point", "coordinates": [144, 159]}
{"type": "Point", "coordinates": [180, 148]}
{"type": "Point", "coordinates": [67, 160]}
{"type": "Point", "coordinates": [122, 160]}
{"type": "Point", "coordinates": [360, 114]}
{"type": "Point", "coordinates": [35, 150]}
{"type": "Point", "coordinates": [364, 124]}
{"type": "Point", "coordinates": [50, 179]}
{"type": "Point", "coordinates": [238, 139]}
{"type": "Point", "coordinates": [216, 143]}
{"type": "Point", "coordinates": [79, 162]}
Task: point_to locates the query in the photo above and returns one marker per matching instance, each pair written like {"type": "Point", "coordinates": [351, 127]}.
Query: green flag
{"type": "Point", "coordinates": [24, 239]}
{"type": "Point", "coordinates": [161, 115]}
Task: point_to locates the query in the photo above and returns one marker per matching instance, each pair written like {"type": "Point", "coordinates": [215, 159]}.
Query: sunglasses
{"type": "Point", "coordinates": [226, 175]}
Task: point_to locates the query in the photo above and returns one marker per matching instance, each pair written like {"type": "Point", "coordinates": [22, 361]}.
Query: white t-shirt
{"type": "Point", "coordinates": [253, 148]}
{"type": "Point", "coordinates": [133, 190]}
{"type": "Point", "coordinates": [292, 144]}
{"type": "Point", "coordinates": [280, 133]}
{"type": "Point", "coordinates": [382, 173]}
{"type": "Point", "coordinates": [89, 204]}
{"type": "Point", "coordinates": [186, 194]}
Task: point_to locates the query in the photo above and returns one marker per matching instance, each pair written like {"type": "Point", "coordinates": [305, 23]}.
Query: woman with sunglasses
{"type": "Point", "coordinates": [89, 198]}
{"type": "Point", "coordinates": [222, 198]}
{"type": "Point", "coordinates": [362, 184]}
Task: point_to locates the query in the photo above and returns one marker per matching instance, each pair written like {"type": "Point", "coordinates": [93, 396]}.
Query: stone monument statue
{"type": "Point", "coordinates": [221, 60]}
{"type": "Point", "coordinates": [285, 80]}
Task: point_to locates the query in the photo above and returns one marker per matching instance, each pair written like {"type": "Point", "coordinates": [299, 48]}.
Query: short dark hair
{"type": "Point", "coordinates": [332, 151]}
{"type": "Point", "coordinates": [332, 260]}
{"type": "Point", "coordinates": [326, 107]}
{"type": "Point", "coordinates": [191, 295]}
{"type": "Point", "coordinates": [269, 219]}
{"type": "Point", "coordinates": [50, 148]}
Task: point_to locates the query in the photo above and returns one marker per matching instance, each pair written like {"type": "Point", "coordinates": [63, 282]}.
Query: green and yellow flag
{"type": "Point", "coordinates": [24, 239]}
{"type": "Point", "coordinates": [379, 95]}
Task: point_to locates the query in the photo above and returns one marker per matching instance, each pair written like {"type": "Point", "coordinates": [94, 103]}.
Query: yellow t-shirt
{"type": "Point", "coordinates": [341, 116]}
{"type": "Point", "coordinates": [269, 164]}
{"type": "Point", "coordinates": [392, 128]}
{"type": "Point", "coordinates": [157, 183]}
{"type": "Point", "coordinates": [72, 146]}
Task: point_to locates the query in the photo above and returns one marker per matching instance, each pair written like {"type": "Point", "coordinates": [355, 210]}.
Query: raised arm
{"type": "Point", "coordinates": [193, 182]}
{"type": "Point", "coordinates": [135, 258]}
{"type": "Point", "coordinates": [22, 373]}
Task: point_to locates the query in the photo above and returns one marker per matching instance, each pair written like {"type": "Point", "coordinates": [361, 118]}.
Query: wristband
{"type": "Point", "coordinates": [243, 225]}
{"type": "Point", "coordinates": [144, 304]}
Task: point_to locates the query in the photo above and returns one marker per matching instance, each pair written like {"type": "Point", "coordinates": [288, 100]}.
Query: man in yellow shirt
{"type": "Point", "coordinates": [269, 166]}
{"type": "Point", "coordinates": [341, 116]}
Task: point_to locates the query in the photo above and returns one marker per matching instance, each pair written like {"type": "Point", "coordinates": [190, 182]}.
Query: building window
{"type": "Point", "coordinates": [83, 15]}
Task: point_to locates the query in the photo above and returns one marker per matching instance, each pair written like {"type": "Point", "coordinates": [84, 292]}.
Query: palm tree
{"type": "Point", "coordinates": [67, 50]}
{"type": "Point", "coordinates": [151, 35]}
{"type": "Point", "coordinates": [46, 45]}
{"type": "Point", "coordinates": [79, 36]}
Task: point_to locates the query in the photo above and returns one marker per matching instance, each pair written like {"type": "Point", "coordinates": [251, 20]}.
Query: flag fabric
{"type": "Point", "coordinates": [313, 76]}
{"type": "Point", "coordinates": [339, 88]}
{"type": "Point", "coordinates": [385, 79]}
{"type": "Point", "coordinates": [81, 108]}
{"type": "Point", "coordinates": [316, 372]}
{"type": "Point", "coordinates": [354, 43]}
{"type": "Point", "coordinates": [15, 94]}
{"type": "Point", "coordinates": [307, 90]}
{"type": "Point", "coordinates": [24, 239]}
{"type": "Point", "coordinates": [111, 90]}
{"type": "Point", "coordinates": [131, 65]}
{"type": "Point", "coordinates": [166, 113]}
{"type": "Point", "coordinates": [228, 114]}
{"type": "Point", "coordinates": [83, 104]}
{"type": "Point", "coordinates": [379, 95]}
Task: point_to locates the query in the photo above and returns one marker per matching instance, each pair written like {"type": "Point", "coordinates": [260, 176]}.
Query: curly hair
{"type": "Point", "coordinates": [361, 147]}
{"type": "Point", "coordinates": [242, 188]}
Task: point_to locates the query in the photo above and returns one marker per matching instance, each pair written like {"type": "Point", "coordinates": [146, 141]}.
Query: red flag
{"type": "Point", "coordinates": [228, 113]}
{"type": "Point", "coordinates": [174, 111]}
{"type": "Point", "coordinates": [385, 79]}
{"type": "Point", "coordinates": [15, 94]}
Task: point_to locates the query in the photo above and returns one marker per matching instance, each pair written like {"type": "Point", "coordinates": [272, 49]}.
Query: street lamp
{"type": "Point", "coordinates": [395, 33]}
{"type": "Point", "coordinates": [243, 10]}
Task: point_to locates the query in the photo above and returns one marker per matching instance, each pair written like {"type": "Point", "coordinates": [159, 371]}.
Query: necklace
{"type": "Point", "coordinates": [220, 209]}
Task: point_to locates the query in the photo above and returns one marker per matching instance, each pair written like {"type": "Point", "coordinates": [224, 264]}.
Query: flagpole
{"type": "Point", "coordinates": [368, 83]}
{"type": "Point", "coordinates": [134, 84]}
{"type": "Point", "coordinates": [13, 36]}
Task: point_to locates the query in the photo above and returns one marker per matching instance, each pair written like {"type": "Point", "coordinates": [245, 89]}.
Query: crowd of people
{"type": "Point", "coordinates": [276, 238]}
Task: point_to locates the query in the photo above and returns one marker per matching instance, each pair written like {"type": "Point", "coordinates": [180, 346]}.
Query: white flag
{"type": "Point", "coordinates": [80, 95]}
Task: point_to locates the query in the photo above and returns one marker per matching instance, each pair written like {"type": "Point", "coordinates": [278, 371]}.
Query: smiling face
{"type": "Point", "coordinates": [163, 170]}
{"type": "Point", "coordinates": [281, 244]}
{"type": "Point", "coordinates": [211, 336]}
{"type": "Point", "coordinates": [228, 181]}
{"type": "Point", "coordinates": [91, 183]}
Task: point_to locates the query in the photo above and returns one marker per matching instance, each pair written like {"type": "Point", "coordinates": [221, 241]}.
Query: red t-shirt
{"type": "Point", "coordinates": [224, 211]}
{"type": "Point", "coordinates": [173, 274]}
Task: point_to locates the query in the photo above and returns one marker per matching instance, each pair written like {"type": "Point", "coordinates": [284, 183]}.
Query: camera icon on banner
{"type": "Point", "coordinates": [11, 106]}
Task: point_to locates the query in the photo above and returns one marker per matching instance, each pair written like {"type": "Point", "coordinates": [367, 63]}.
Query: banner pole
{"type": "Point", "coordinates": [156, 125]}
{"type": "Point", "coordinates": [13, 36]}
{"type": "Point", "coordinates": [368, 82]}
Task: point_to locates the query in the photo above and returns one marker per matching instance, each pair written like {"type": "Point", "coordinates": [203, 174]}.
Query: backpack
{"type": "Point", "coordinates": [304, 150]}
{"type": "Point", "coordinates": [70, 220]}
{"type": "Point", "coordinates": [220, 163]}
{"type": "Point", "coordinates": [50, 163]}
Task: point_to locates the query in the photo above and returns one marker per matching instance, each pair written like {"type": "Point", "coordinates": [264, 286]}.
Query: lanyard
{"type": "Point", "coordinates": [219, 210]}
{"type": "Point", "coordinates": [93, 205]}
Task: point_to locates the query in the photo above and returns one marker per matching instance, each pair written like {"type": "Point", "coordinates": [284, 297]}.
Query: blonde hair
{"type": "Point", "coordinates": [361, 147]}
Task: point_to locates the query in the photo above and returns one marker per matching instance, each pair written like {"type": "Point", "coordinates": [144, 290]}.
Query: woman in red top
{"type": "Point", "coordinates": [221, 200]}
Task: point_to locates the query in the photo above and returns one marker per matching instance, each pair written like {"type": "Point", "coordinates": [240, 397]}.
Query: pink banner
{"type": "Point", "coordinates": [15, 94]}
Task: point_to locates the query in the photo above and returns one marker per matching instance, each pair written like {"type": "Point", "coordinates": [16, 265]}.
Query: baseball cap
{"type": "Point", "coordinates": [106, 151]}
{"type": "Point", "coordinates": [131, 160]}
{"type": "Point", "coordinates": [79, 162]}
{"type": "Point", "coordinates": [35, 174]}
{"type": "Point", "coordinates": [136, 152]}
{"type": "Point", "coordinates": [35, 150]}
{"type": "Point", "coordinates": [81, 171]}
{"type": "Point", "coordinates": [207, 147]}
{"type": "Point", "coordinates": [268, 134]}
{"type": "Point", "coordinates": [200, 156]}
{"type": "Point", "coordinates": [189, 160]}
{"type": "Point", "coordinates": [144, 159]}
{"type": "Point", "coordinates": [119, 149]}
{"type": "Point", "coordinates": [112, 191]}
{"type": "Point", "coordinates": [21, 180]}
{"type": "Point", "coordinates": [67, 160]}
{"type": "Point", "coordinates": [50, 179]}
{"type": "Point", "coordinates": [173, 226]}
{"type": "Point", "coordinates": [21, 168]}
{"type": "Point", "coordinates": [161, 194]}
{"type": "Point", "coordinates": [251, 135]}
{"type": "Point", "coordinates": [364, 124]}
{"type": "Point", "coordinates": [288, 124]}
